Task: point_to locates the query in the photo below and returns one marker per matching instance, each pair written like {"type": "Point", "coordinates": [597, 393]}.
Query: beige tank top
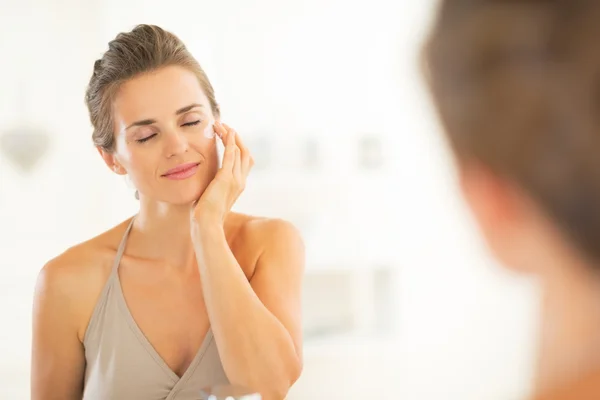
{"type": "Point", "coordinates": [122, 364]}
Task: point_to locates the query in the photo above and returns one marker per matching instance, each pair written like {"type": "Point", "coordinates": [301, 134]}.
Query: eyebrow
{"type": "Point", "coordinates": [152, 121]}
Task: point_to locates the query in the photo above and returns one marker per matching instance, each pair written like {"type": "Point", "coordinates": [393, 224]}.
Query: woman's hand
{"type": "Point", "coordinates": [228, 183]}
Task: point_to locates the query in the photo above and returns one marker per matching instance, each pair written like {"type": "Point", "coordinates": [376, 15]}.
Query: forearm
{"type": "Point", "coordinates": [255, 348]}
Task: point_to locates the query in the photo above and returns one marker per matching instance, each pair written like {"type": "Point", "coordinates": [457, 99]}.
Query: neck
{"type": "Point", "coordinates": [570, 342]}
{"type": "Point", "coordinates": [165, 229]}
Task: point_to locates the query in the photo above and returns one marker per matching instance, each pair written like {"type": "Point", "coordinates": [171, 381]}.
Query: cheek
{"type": "Point", "coordinates": [139, 163]}
{"type": "Point", "coordinates": [204, 146]}
{"type": "Point", "coordinates": [208, 151]}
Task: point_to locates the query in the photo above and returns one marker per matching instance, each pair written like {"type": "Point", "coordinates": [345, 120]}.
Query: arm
{"type": "Point", "coordinates": [257, 324]}
{"type": "Point", "coordinates": [57, 363]}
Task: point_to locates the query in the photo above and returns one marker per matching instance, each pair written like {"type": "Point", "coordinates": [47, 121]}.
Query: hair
{"type": "Point", "coordinates": [517, 88]}
{"type": "Point", "coordinates": [145, 49]}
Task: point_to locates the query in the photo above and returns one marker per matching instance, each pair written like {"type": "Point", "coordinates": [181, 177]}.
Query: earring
{"type": "Point", "coordinates": [131, 186]}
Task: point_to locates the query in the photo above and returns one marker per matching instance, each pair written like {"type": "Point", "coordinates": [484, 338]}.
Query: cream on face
{"type": "Point", "coordinates": [209, 131]}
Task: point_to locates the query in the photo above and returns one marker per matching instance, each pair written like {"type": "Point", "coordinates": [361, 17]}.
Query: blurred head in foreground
{"type": "Point", "coordinates": [517, 88]}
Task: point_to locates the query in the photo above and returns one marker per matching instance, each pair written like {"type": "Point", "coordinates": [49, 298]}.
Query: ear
{"type": "Point", "coordinates": [499, 212]}
{"type": "Point", "coordinates": [111, 161]}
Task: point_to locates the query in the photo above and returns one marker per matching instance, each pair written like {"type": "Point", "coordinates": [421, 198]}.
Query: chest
{"type": "Point", "coordinates": [169, 311]}
{"type": "Point", "coordinates": [169, 307]}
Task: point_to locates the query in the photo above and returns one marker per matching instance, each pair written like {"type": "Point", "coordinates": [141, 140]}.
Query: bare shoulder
{"type": "Point", "coordinates": [266, 238]}
{"type": "Point", "coordinates": [76, 277]}
{"type": "Point", "coordinates": [261, 232]}
{"type": "Point", "coordinates": [86, 261]}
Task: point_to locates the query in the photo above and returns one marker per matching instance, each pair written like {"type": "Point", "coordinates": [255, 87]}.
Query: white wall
{"type": "Point", "coordinates": [332, 70]}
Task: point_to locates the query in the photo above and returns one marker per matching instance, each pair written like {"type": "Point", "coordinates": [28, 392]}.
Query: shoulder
{"type": "Point", "coordinates": [85, 261]}
{"type": "Point", "coordinates": [275, 233]}
{"type": "Point", "coordinates": [275, 244]}
{"type": "Point", "coordinates": [265, 234]}
{"type": "Point", "coordinates": [70, 269]}
{"type": "Point", "coordinates": [74, 279]}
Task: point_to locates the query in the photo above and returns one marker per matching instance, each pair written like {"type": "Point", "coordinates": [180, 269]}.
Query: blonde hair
{"type": "Point", "coordinates": [517, 87]}
{"type": "Point", "coordinates": [145, 49]}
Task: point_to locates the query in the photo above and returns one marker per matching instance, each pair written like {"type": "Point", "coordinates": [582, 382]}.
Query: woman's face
{"type": "Point", "coordinates": [163, 121]}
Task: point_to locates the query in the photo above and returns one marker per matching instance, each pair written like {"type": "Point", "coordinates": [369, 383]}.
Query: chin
{"type": "Point", "coordinates": [183, 192]}
{"type": "Point", "coordinates": [187, 196]}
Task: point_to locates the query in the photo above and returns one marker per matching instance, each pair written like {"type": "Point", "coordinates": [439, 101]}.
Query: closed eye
{"type": "Point", "coordinates": [192, 123]}
{"type": "Point", "coordinates": [146, 138]}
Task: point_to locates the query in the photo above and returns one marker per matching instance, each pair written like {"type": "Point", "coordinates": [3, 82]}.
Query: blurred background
{"type": "Point", "coordinates": [401, 299]}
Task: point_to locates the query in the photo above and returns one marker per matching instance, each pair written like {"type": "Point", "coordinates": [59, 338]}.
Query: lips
{"type": "Point", "coordinates": [182, 171]}
{"type": "Point", "coordinates": [180, 168]}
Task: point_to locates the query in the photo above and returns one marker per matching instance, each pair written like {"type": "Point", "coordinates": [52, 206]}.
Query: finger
{"type": "Point", "coordinates": [245, 157]}
{"type": "Point", "coordinates": [237, 165]}
{"type": "Point", "coordinates": [239, 149]}
{"type": "Point", "coordinates": [229, 154]}
{"type": "Point", "coordinates": [221, 131]}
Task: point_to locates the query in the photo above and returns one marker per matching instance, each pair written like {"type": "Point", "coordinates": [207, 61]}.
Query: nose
{"type": "Point", "coordinates": [175, 144]}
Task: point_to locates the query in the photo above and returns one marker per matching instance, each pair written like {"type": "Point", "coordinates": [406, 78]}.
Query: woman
{"type": "Point", "coordinates": [516, 86]}
{"type": "Point", "coordinates": [186, 294]}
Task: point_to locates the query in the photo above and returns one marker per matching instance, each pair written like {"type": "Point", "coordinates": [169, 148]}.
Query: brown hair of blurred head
{"type": "Point", "coordinates": [143, 50]}
{"type": "Point", "coordinates": [517, 87]}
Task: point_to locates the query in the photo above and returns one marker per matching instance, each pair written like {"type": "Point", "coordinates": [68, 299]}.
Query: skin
{"type": "Point", "coordinates": [522, 237]}
{"type": "Point", "coordinates": [237, 274]}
